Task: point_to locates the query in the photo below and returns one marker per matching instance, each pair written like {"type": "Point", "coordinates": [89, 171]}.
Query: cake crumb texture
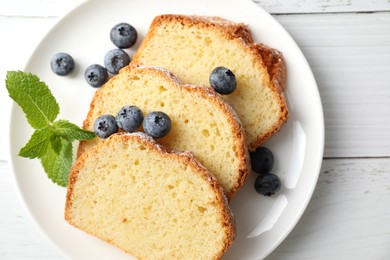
{"type": "Point", "coordinates": [191, 47]}
{"type": "Point", "coordinates": [149, 202]}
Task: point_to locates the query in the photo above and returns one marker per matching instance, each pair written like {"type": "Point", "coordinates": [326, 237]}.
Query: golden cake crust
{"type": "Point", "coordinates": [275, 64]}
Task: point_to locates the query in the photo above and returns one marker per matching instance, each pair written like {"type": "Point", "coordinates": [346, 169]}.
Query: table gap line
{"type": "Point", "coordinates": [355, 157]}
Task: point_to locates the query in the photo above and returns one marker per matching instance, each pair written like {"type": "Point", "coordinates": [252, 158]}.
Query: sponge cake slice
{"type": "Point", "coordinates": [192, 46]}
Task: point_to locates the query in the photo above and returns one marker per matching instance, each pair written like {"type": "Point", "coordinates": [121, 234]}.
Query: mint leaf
{"type": "Point", "coordinates": [71, 132]}
{"type": "Point", "coordinates": [33, 96]}
{"type": "Point", "coordinates": [57, 166]}
{"type": "Point", "coordinates": [38, 143]}
{"type": "Point", "coordinates": [56, 143]}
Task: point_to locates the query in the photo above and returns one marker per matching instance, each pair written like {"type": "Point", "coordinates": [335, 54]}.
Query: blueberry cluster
{"type": "Point", "coordinates": [129, 118]}
{"type": "Point", "coordinates": [123, 36]}
{"type": "Point", "coordinates": [262, 162]}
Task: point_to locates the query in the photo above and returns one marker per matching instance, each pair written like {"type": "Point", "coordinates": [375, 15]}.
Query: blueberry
{"type": "Point", "coordinates": [96, 75]}
{"type": "Point", "coordinates": [129, 118]}
{"type": "Point", "coordinates": [267, 184]}
{"type": "Point", "coordinates": [262, 160]}
{"type": "Point", "coordinates": [123, 35]}
{"type": "Point", "coordinates": [116, 59]}
{"type": "Point", "coordinates": [223, 80]}
{"type": "Point", "coordinates": [62, 63]}
{"type": "Point", "coordinates": [157, 124]}
{"type": "Point", "coordinates": [105, 126]}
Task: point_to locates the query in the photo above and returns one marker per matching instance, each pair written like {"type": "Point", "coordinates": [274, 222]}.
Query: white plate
{"type": "Point", "coordinates": [262, 223]}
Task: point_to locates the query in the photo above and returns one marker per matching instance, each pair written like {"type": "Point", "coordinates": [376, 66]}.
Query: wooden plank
{"type": "Point", "coordinates": [348, 215]}
{"type": "Point", "coordinates": [323, 6]}
{"type": "Point", "coordinates": [37, 8]}
{"type": "Point", "coordinates": [350, 58]}
{"type": "Point", "coordinates": [46, 8]}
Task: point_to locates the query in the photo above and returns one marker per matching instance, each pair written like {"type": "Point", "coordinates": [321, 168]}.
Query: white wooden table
{"type": "Point", "coordinates": [347, 43]}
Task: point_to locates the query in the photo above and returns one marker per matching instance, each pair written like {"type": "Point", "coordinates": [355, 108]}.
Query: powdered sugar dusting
{"type": "Point", "coordinates": [140, 134]}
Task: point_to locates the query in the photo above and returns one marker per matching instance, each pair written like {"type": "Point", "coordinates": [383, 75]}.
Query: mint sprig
{"type": "Point", "coordinates": [52, 139]}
